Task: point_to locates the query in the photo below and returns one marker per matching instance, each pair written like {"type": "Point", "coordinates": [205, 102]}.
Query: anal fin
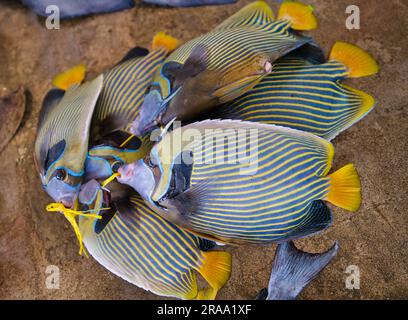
{"type": "Point", "coordinates": [318, 218]}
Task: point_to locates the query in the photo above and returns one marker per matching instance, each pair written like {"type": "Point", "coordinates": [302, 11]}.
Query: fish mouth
{"type": "Point", "coordinates": [67, 202]}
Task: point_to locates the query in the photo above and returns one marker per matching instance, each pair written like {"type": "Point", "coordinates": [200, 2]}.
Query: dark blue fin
{"type": "Point", "coordinates": [78, 8]}
{"type": "Point", "coordinates": [136, 52]}
{"type": "Point", "coordinates": [206, 244]}
{"type": "Point", "coordinates": [50, 100]}
{"type": "Point", "coordinates": [194, 65]}
{"type": "Point", "coordinates": [294, 269]}
{"type": "Point", "coordinates": [310, 52]}
{"type": "Point", "coordinates": [188, 3]}
{"type": "Point", "coordinates": [318, 218]}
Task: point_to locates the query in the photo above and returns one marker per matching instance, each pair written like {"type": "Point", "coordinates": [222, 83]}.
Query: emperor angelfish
{"type": "Point", "coordinates": [307, 95]}
{"type": "Point", "coordinates": [138, 245]}
{"type": "Point", "coordinates": [243, 182]}
{"type": "Point", "coordinates": [124, 87]}
{"type": "Point", "coordinates": [222, 64]}
{"type": "Point", "coordinates": [61, 144]}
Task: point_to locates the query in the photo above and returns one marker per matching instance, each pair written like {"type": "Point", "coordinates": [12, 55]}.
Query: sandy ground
{"type": "Point", "coordinates": [375, 238]}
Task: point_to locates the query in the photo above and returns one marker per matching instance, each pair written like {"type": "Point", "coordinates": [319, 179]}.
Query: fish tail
{"type": "Point", "coordinates": [358, 61]}
{"type": "Point", "coordinates": [294, 269]}
{"type": "Point", "coordinates": [356, 112]}
{"type": "Point", "coordinates": [70, 77]}
{"type": "Point", "coordinates": [163, 40]}
{"type": "Point", "coordinates": [216, 270]}
{"type": "Point", "coordinates": [345, 188]}
{"type": "Point", "coordinates": [299, 14]}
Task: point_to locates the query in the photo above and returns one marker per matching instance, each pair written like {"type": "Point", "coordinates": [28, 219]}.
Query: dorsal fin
{"type": "Point", "coordinates": [136, 52]}
{"type": "Point", "coordinates": [309, 52]}
{"type": "Point", "coordinates": [256, 13]}
{"type": "Point", "coordinates": [50, 100]}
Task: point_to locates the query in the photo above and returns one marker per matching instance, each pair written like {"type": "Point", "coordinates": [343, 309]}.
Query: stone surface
{"type": "Point", "coordinates": [375, 238]}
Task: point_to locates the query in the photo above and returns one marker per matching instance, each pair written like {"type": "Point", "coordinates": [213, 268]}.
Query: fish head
{"type": "Point", "coordinates": [140, 176]}
{"type": "Point", "coordinates": [61, 144]}
{"type": "Point", "coordinates": [61, 181]}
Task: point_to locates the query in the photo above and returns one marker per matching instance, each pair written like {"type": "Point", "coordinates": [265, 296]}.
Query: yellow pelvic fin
{"type": "Point", "coordinates": [345, 188]}
{"type": "Point", "coordinates": [163, 40]}
{"type": "Point", "coordinates": [216, 270]}
{"type": "Point", "coordinates": [358, 61]}
{"type": "Point", "coordinates": [367, 102]}
{"type": "Point", "coordinates": [66, 79]}
{"type": "Point", "coordinates": [299, 14]}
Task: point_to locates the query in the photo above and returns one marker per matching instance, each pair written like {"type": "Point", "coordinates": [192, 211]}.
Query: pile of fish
{"type": "Point", "coordinates": [224, 139]}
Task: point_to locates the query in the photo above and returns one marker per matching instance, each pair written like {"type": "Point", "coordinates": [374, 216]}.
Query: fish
{"type": "Point", "coordinates": [222, 64]}
{"type": "Point", "coordinates": [293, 270]}
{"type": "Point", "coordinates": [306, 95]}
{"type": "Point", "coordinates": [138, 245]}
{"type": "Point", "coordinates": [78, 8]}
{"type": "Point", "coordinates": [243, 182]}
{"type": "Point", "coordinates": [12, 108]}
{"type": "Point", "coordinates": [188, 3]}
{"type": "Point", "coordinates": [123, 91]}
{"type": "Point", "coordinates": [60, 147]}
{"type": "Point", "coordinates": [97, 143]}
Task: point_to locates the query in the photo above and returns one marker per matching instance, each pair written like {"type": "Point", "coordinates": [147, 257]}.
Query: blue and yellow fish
{"type": "Point", "coordinates": [243, 182]}
{"type": "Point", "coordinates": [101, 111]}
{"type": "Point", "coordinates": [61, 148]}
{"type": "Point", "coordinates": [123, 91]}
{"type": "Point", "coordinates": [224, 63]}
{"type": "Point", "coordinates": [308, 96]}
{"type": "Point", "coordinates": [138, 245]}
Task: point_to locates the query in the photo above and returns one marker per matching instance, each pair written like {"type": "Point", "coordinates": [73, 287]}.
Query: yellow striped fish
{"type": "Point", "coordinates": [60, 147]}
{"type": "Point", "coordinates": [150, 252]}
{"type": "Point", "coordinates": [240, 182]}
{"type": "Point", "coordinates": [119, 103]}
{"type": "Point", "coordinates": [308, 96]}
{"type": "Point", "coordinates": [101, 111]}
{"type": "Point", "coordinates": [223, 63]}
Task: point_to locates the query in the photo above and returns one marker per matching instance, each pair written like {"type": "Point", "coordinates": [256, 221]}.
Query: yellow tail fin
{"type": "Point", "coordinates": [163, 40]}
{"type": "Point", "coordinates": [345, 188]}
{"type": "Point", "coordinates": [367, 102]}
{"type": "Point", "coordinates": [299, 14]}
{"type": "Point", "coordinates": [72, 76]}
{"type": "Point", "coordinates": [358, 61]}
{"type": "Point", "coordinates": [216, 270]}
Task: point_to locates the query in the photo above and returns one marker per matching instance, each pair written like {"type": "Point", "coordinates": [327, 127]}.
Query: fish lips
{"type": "Point", "coordinates": [139, 176]}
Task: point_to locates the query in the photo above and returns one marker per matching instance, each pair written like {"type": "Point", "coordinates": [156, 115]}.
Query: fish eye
{"type": "Point", "coordinates": [60, 174]}
{"type": "Point", "coordinates": [116, 165]}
